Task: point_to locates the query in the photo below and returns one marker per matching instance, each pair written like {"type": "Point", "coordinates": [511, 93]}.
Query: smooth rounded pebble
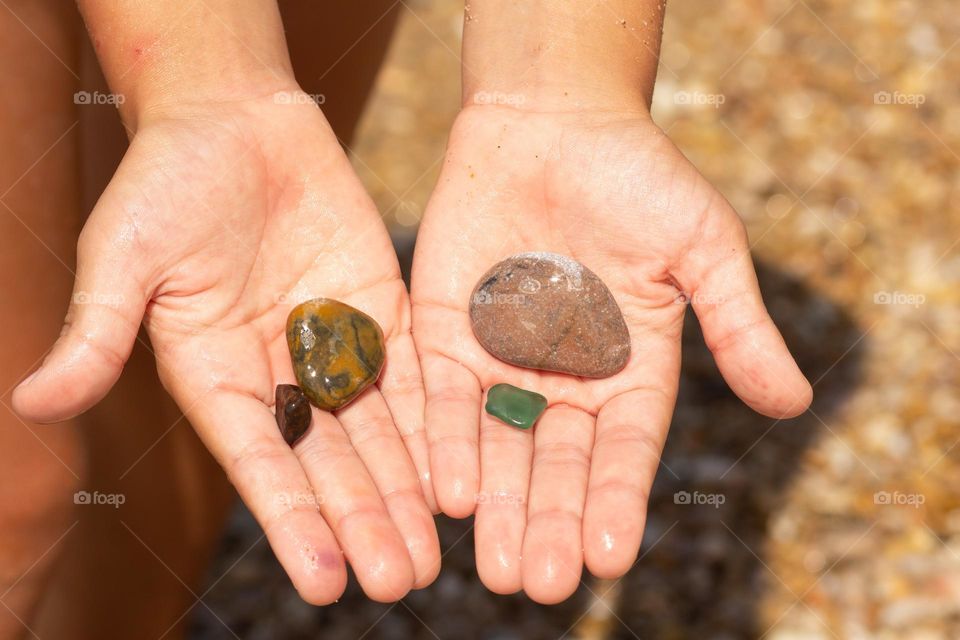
{"type": "Point", "coordinates": [337, 351]}
{"type": "Point", "coordinates": [548, 311]}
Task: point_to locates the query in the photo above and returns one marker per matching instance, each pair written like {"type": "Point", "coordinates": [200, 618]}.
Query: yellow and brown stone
{"type": "Point", "coordinates": [337, 351]}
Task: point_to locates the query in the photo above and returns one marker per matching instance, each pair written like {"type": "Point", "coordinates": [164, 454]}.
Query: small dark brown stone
{"type": "Point", "coordinates": [293, 412]}
{"type": "Point", "coordinates": [548, 311]}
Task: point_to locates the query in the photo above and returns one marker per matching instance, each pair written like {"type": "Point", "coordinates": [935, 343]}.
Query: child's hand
{"type": "Point", "coordinates": [220, 218]}
{"type": "Point", "coordinates": [610, 190]}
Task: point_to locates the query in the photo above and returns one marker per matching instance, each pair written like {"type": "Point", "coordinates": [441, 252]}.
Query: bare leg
{"type": "Point", "coordinates": [131, 570]}
{"type": "Point", "coordinates": [38, 225]}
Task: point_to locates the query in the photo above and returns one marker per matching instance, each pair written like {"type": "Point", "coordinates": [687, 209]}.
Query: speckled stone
{"type": "Point", "coordinates": [548, 311]}
{"type": "Point", "coordinates": [293, 412]}
{"type": "Point", "coordinates": [337, 351]}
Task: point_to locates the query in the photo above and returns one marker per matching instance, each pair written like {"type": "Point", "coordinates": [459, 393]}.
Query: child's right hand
{"type": "Point", "coordinates": [220, 218]}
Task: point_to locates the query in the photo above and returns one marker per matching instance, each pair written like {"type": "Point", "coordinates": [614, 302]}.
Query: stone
{"type": "Point", "coordinates": [337, 351]}
{"type": "Point", "coordinates": [547, 311]}
{"type": "Point", "coordinates": [515, 406]}
{"type": "Point", "coordinates": [293, 412]}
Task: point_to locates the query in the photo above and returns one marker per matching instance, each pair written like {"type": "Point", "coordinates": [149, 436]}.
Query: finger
{"type": "Point", "coordinates": [453, 423]}
{"type": "Point", "coordinates": [631, 430]}
{"type": "Point", "coordinates": [102, 321]}
{"type": "Point", "coordinates": [242, 435]}
{"type": "Point", "coordinates": [506, 454]}
{"type": "Point", "coordinates": [719, 278]}
{"type": "Point", "coordinates": [351, 504]}
{"type": "Point", "coordinates": [374, 436]}
{"type": "Point", "coordinates": [402, 387]}
{"type": "Point", "coordinates": [552, 546]}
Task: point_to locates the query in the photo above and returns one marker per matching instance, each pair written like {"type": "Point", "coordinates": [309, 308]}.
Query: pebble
{"type": "Point", "coordinates": [293, 412]}
{"type": "Point", "coordinates": [515, 406]}
{"type": "Point", "coordinates": [746, 596]}
{"type": "Point", "coordinates": [548, 311]}
{"type": "Point", "coordinates": [337, 351]}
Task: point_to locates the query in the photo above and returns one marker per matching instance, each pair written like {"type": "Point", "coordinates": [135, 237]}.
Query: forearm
{"type": "Point", "coordinates": [575, 54]}
{"type": "Point", "coordinates": [163, 52]}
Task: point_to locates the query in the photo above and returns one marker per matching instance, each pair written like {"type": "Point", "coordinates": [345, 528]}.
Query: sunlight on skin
{"type": "Point", "coordinates": [214, 226]}
{"type": "Point", "coordinates": [555, 151]}
{"type": "Point", "coordinates": [579, 185]}
{"type": "Point", "coordinates": [235, 202]}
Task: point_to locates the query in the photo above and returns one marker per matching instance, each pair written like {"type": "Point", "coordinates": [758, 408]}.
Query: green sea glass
{"type": "Point", "coordinates": [515, 406]}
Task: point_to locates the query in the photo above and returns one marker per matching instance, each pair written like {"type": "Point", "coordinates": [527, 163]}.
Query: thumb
{"type": "Point", "coordinates": [104, 316]}
{"type": "Point", "coordinates": [721, 283]}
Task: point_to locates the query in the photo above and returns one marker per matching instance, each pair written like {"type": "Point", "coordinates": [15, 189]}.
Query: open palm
{"type": "Point", "coordinates": [219, 220]}
{"type": "Point", "coordinates": [613, 192]}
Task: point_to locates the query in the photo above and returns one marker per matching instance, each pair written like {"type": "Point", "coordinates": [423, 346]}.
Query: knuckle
{"type": "Point", "coordinates": [563, 454]}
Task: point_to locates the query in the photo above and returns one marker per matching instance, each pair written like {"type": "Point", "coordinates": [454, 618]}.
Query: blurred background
{"type": "Point", "coordinates": [834, 129]}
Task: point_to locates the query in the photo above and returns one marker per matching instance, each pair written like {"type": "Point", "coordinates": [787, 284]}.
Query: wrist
{"type": "Point", "coordinates": [150, 102]}
{"type": "Point", "coordinates": [161, 55]}
{"type": "Point", "coordinates": [571, 56]}
{"type": "Point", "coordinates": [559, 97]}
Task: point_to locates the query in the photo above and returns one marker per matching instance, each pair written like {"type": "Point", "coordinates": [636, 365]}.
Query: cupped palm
{"type": "Point", "coordinates": [611, 191]}
{"type": "Point", "coordinates": [220, 218]}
